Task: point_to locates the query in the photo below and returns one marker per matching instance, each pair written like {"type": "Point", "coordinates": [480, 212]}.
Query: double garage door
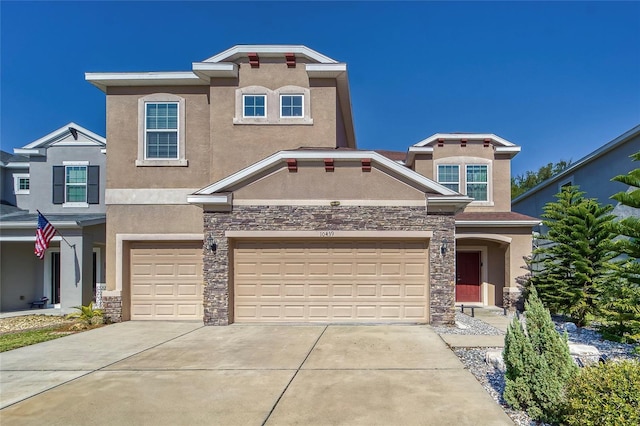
{"type": "Point", "coordinates": [331, 281]}
{"type": "Point", "coordinates": [289, 281]}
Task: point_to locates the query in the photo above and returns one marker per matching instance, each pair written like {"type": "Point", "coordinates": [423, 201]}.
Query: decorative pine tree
{"type": "Point", "coordinates": [574, 263]}
{"type": "Point", "coordinates": [538, 363]}
{"type": "Point", "coordinates": [621, 298]}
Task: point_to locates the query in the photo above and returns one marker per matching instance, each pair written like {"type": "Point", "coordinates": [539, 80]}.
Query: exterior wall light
{"type": "Point", "coordinates": [211, 244]}
{"type": "Point", "coordinates": [443, 247]}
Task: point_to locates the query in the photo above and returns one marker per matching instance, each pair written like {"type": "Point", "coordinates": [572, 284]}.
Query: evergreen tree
{"type": "Point", "coordinates": [621, 298]}
{"type": "Point", "coordinates": [538, 363]}
{"type": "Point", "coordinates": [575, 263]}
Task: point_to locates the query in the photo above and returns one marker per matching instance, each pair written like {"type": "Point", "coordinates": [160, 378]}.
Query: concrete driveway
{"type": "Point", "coordinates": [173, 373]}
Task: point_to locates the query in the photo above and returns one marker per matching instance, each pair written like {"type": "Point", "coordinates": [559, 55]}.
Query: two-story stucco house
{"type": "Point", "coordinates": [592, 174]}
{"type": "Point", "coordinates": [236, 193]}
{"type": "Point", "coordinates": [61, 175]}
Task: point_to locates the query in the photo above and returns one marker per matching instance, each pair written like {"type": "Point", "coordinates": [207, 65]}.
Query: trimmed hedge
{"type": "Point", "coordinates": [605, 394]}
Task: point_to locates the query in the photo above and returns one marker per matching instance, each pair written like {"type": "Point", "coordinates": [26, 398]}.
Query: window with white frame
{"type": "Point", "coordinates": [478, 182]}
{"type": "Point", "coordinates": [20, 183]}
{"type": "Point", "coordinates": [161, 121]}
{"type": "Point", "coordinates": [449, 176]}
{"type": "Point", "coordinates": [161, 130]}
{"type": "Point", "coordinates": [291, 106]}
{"type": "Point", "coordinates": [254, 105]}
{"type": "Point", "coordinates": [75, 187]}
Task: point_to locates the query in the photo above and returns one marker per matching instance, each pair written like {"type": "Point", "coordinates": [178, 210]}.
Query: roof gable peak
{"type": "Point", "coordinates": [269, 50]}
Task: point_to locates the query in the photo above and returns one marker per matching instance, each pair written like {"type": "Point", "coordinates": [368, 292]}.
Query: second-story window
{"type": "Point", "coordinates": [75, 184]}
{"type": "Point", "coordinates": [254, 105]}
{"type": "Point", "coordinates": [161, 130]}
{"type": "Point", "coordinates": [449, 176]}
{"type": "Point", "coordinates": [291, 106]}
{"type": "Point", "coordinates": [477, 182]}
{"type": "Point", "coordinates": [20, 183]}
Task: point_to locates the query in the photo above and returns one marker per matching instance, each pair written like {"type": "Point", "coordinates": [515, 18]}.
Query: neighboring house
{"type": "Point", "coordinates": [592, 173]}
{"type": "Point", "coordinates": [236, 193]}
{"type": "Point", "coordinates": [62, 175]}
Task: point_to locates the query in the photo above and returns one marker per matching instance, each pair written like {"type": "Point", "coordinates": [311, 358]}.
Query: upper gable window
{"type": "Point", "coordinates": [449, 176]}
{"type": "Point", "coordinates": [254, 105]}
{"type": "Point", "coordinates": [75, 188]}
{"type": "Point", "coordinates": [477, 182]}
{"type": "Point", "coordinates": [291, 105]}
{"type": "Point", "coordinates": [161, 140]}
{"type": "Point", "coordinates": [76, 184]}
{"type": "Point", "coordinates": [21, 183]}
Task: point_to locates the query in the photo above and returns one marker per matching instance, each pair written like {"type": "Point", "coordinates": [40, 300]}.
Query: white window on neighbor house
{"type": "Point", "coordinates": [449, 176]}
{"type": "Point", "coordinates": [291, 106]}
{"type": "Point", "coordinates": [161, 130]}
{"type": "Point", "coordinates": [478, 182]}
{"type": "Point", "coordinates": [20, 183]}
{"type": "Point", "coordinates": [254, 105]}
{"type": "Point", "coordinates": [75, 184]}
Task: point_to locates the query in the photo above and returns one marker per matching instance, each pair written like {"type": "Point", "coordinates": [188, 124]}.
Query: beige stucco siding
{"type": "Point", "coordinates": [122, 134]}
{"type": "Point", "coordinates": [311, 181]}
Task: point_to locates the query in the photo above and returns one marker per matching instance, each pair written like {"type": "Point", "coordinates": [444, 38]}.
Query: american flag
{"type": "Point", "coordinates": [44, 233]}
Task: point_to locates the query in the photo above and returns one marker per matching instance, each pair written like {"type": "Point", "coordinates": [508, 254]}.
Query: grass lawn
{"type": "Point", "coordinates": [19, 339]}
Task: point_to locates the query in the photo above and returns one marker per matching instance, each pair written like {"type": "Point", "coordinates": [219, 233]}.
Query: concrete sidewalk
{"type": "Point", "coordinates": [168, 373]}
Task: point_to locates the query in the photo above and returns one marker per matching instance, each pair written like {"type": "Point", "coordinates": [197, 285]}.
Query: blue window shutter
{"type": "Point", "coordinates": [58, 184]}
{"type": "Point", "coordinates": [93, 185]}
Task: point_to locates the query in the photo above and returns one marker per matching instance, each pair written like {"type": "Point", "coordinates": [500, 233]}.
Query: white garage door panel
{"type": "Point", "coordinates": [166, 282]}
{"type": "Point", "coordinates": [350, 281]}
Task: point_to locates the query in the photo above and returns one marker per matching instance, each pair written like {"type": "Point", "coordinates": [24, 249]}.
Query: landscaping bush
{"type": "Point", "coordinates": [605, 394]}
{"type": "Point", "coordinates": [538, 363]}
{"type": "Point", "coordinates": [88, 315]}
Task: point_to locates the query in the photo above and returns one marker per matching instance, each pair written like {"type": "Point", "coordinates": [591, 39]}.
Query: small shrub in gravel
{"type": "Point", "coordinates": [605, 394]}
{"type": "Point", "coordinates": [538, 363]}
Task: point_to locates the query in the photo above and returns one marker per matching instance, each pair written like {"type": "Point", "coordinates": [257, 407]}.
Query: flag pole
{"type": "Point", "coordinates": [57, 232]}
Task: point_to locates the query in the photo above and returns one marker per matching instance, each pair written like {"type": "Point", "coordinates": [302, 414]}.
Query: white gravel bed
{"type": "Point", "coordinates": [468, 325]}
{"type": "Point", "coordinates": [493, 380]}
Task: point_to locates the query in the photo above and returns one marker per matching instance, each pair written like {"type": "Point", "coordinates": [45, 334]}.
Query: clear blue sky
{"type": "Point", "coordinates": [558, 78]}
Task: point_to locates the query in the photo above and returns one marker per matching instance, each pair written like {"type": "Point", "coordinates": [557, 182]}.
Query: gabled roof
{"type": "Point", "coordinates": [70, 134]}
{"type": "Point", "coordinates": [13, 160]}
{"type": "Point", "coordinates": [219, 192]}
{"type": "Point", "coordinates": [623, 138]}
{"type": "Point", "coordinates": [270, 50]}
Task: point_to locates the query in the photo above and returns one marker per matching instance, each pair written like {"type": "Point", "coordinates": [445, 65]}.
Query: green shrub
{"type": "Point", "coordinates": [88, 315]}
{"type": "Point", "coordinates": [605, 394]}
{"type": "Point", "coordinates": [538, 363]}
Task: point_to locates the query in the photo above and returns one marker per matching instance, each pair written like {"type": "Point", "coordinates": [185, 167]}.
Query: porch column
{"type": "Point", "coordinates": [76, 267]}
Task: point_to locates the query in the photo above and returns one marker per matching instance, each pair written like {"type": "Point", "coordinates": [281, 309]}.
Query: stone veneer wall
{"type": "Point", "coordinates": [217, 309]}
{"type": "Point", "coordinates": [112, 308]}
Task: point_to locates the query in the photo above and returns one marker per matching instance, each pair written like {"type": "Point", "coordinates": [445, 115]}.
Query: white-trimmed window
{"type": "Point", "coordinates": [478, 182]}
{"type": "Point", "coordinates": [254, 105]}
{"type": "Point", "coordinates": [161, 140]}
{"type": "Point", "coordinates": [75, 184]}
{"type": "Point", "coordinates": [291, 106]}
{"type": "Point", "coordinates": [449, 176]}
{"type": "Point", "coordinates": [21, 183]}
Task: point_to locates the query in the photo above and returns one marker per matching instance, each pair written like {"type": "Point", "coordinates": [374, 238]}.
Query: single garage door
{"type": "Point", "coordinates": [331, 281]}
{"type": "Point", "coordinates": [166, 281]}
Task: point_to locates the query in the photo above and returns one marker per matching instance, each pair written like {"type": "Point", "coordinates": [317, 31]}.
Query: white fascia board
{"type": "Point", "coordinates": [213, 69]}
{"type": "Point", "coordinates": [413, 150]}
{"type": "Point", "coordinates": [497, 223]}
{"type": "Point", "coordinates": [469, 136]}
{"type": "Point", "coordinates": [382, 161]}
{"type": "Point", "coordinates": [63, 132]}
{"type": "Point", "coordinates": [37, 152]}
{"type": "Point", "coordinates": [103, 151]}
{"type": "Point", "coordinates": [269, 50]}
{"type": "Point", "coordinates": [325, 70]}
{"type": "Point", "coordinates": [511, 150]}
{"type": "Point", "coordinates": [32, 224]}
{"type": "Point", "coordinates": [22, 239]}
{"type": "Point", "coordinates": [17, 165]}
{"type": "Point", "coordinates": [177, 78]}
{"type": "Point", "coordinates": [217, 199]}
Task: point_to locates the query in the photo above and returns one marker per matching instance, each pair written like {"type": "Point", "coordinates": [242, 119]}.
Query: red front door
{"type": "Point", "coordinates": [468, 276]}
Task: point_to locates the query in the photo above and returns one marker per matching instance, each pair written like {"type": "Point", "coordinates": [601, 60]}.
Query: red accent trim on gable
{"type": "Point", "coordinates": [440, 142]}
{"type": "Point", "coordinates": [366, 164]}
{"type": "Point", "coordinates": [463, 142]}
{"type": "Point", "coordinates": [254, 61]}
{"type": "Point", "coordinates": [292, 164]}
{"type": "Point", "coordinates": [328, 165]}
{"type": "Point", "coordinates": [487, 142]}
{"type": "Point", "coordinates": [291, 59]}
